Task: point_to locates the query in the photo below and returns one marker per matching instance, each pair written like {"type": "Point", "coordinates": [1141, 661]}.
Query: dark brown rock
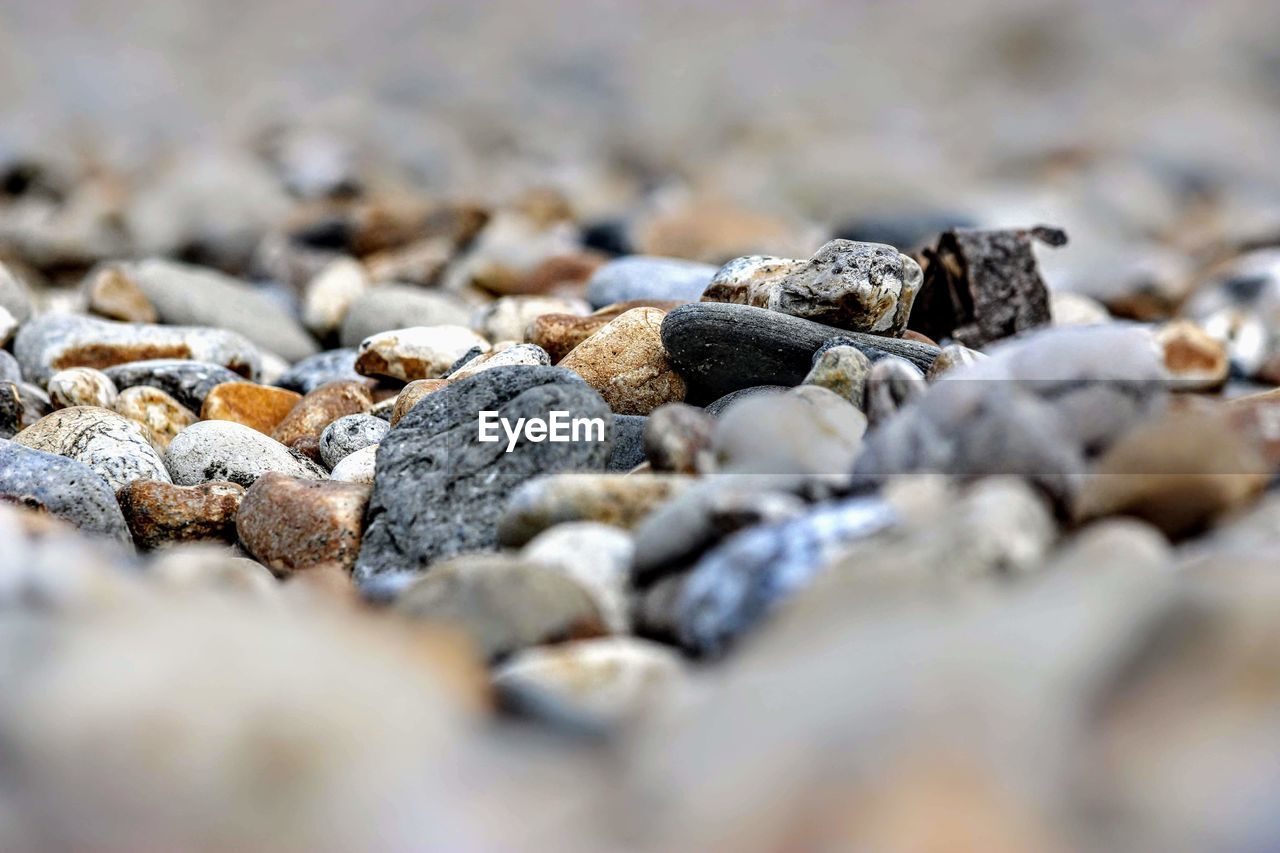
{"type": "Point", "coordinates": [291, 524]}
{"type": "Point", "coordinates": [163, 514]}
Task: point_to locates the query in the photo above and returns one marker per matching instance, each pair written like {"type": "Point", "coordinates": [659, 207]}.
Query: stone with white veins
{"type": "Point", "coordinates": [82, 386]}
{"type": "Point", "coordinates": [115, 447]}
{"type": "Point", "coordinates": [53, 342]}
{"type": "Point", "coordinates": [225, 450]}
{"type": "Point", "coordinates": [418, 352]}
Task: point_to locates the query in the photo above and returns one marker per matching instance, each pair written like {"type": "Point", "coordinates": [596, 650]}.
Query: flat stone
{"type": "Point", "coordinates": [115, 447]}
{"type": "Point", "coordinates": [196, 296]}
{"type": "Point", "coordinates": [719, 348]}
{"type": "Point", "coordinates": [597, 556]}
{"type": "Point", "coordinates": [188, 382]}
{"type": "Point", "coordinates": [113, 295]}
{"type": "Point", "coordinates": [358, 467]}
{"type": "Point", "coordinates": [439, 490]}
{"type": "Point", "coordinates": [864, 287]}
{"type": "Point", "coordinates": [508, 318]}
{"type": "Point", "coordinates": [411, 394]}
{"type": "Point", "coordinates": [293, 525]}
{"type": "Point", "coordinates": [261, 407]}
{"type": "Point", "coordinates": [348, 434]}
{"type": "Point", "coordinates": [391, 306]}
{"type": "Point", "coordinates": [53, 342]}
{"type": "Point", "coordinates": [316, 370]}
{"type": "Point", "coordinates": [82, 386]}
{"type": "Point", "coordinates": [322, 407]}
{"type": "Point", "coordinates": [62, 487]}
{"type": "Point", "coordinates": [625, 361]}
{"type": "Point", "coordinates": [161, 416]}
{"type": "Point", "coordinates": [419, 352]}
{"type": "Point", "coordinates": [225, 450]}
{"type": "Point", "coordinates": [641, 277]}
{"type": "Point", "coordinates": [503, 604]}
{"type": "Point", "coordinates": [160, 513]}
{"type": "Point", "coordinates": [616, 499]}
{"type": "Point", "coordinates": [528, 355]}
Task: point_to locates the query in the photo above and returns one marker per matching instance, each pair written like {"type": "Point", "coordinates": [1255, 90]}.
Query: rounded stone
{"type": "Point", "coordinates": [82, 386]}
{"type": "Point", "coordinates": [642, 277]}
{"type": "Point", "coordinates": [412, 393]}
{"type": "Point", "coordinates": [598, 556]}
{"type": "Point", "coordinates": [161, 415]}
{"type": "Point", "coordinates": [329, 295]}
{"type": "Point", "coordinates": [625, 361]}
{"type": "Point", "coordinates": [322, 407]}
{"type": "Point", "coordinates": [225, 450]}
{"type": "Point", "coordinates": [527, 355]}
{"type": "Point", "coordinates": [891, 384]}
{"type": "Point", "coordinates": [293, 525]}
{"type": "Point", "coordinates": [329, 366]}
{"type": "Point", "coordinates": [160, 513]}
{"type": "Point", "coordinates": [115, 447]}
{"type": "Point", "coordinates": [188, 382]}
{"type": "Point", "coordinates": [808, 431]}
{"type": "Point", "coordinates": [62, 487]}
{"type": "Point", "coordinates": [392, 306]}
{"type": "Point", "coordinates": [842, 369]}
{"type": "Point", "coordinates": [677, 437]}
{"type": "Point", "coordinates": [616, 499]}
{"type": "Point", "coordinates": [508, 318]}
{"type": "Point", "coordinates": [113, 295]}
{"type": "Point", "coordinates": [261, 407]}
{"type": "Point", "coordinates": [359, 467]}
{"type": "Point", "coordinates": [419, 352]}
{"type": "Point", "coordinates": [348, 434]}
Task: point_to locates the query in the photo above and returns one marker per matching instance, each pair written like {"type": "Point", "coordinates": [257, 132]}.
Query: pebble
{"type": "Point", "coordinates": [261, 407]}
{"type": "Point", "coordinates": [348, 434]}
{"type": "Point", "coordinates": [615, 499]}
{"type": "Point", "coordinates": [190, 567]}
{"type": "Point", "coordinates": [321, 407]}
{"type": "Point", "coordinates": [625, 361]}
{"type": "Point", "coordinates": [1195, 360]}
{"type": "Point", "coordinates": [628, 443]}
{"type": "Point", "coordinates": [419, 352]}
{"type": "Point", "coordinates": [807, 431]}
{"type": "Point", "coordinates": [740, 581]}
{"type": "Point", "coordinates": [1076, 309]}
{"type": "Point", "coordinates": [891, 384]}
{"type": "Point", "coordinates": [678, 438]}
{"type": "Point", "coordinates": [1239, 306]}
{"type": "Point", "coordinates": [82, 386]}
{"type": "Point", "coordinates": [439, 490]}
{"type": "Point", "coordinates": [187, 382]}
{"type": "Point", "coordinates": [719, 348]}
{"type": "Point", "coordinates": [195, 296]}
{"type": "Point", "coordinates": [293, 525]}
{"type": "Point", "coordinates": [113, 295]}
{"type": "Point", "coordinates": [329, 366]}
{"type": "Point", "coordinates": [11, 410]}
{"type": "Point", "coordinates": [717, 407]}
{"type": "Point", "coordinates": [592, 685]}
{"type": "Point", "coordinates": [329, 295]}
{"type": "Point", "coordinates": [951, 357]}
{"type": "Point", "coordinates": [558, 334]}
{"type": "Point", "coordinates": [358, 467]}
{"type": "Point", "coordinates": [115, 447]}
{"type": "Point", "coordinates": [864, 287]}
{"type": "Point", "coordinates": [391, 306]}
{"type": "Point", "coordinates": [9, 369]}
{"type": "Point", "coordinates": [528, 355]}
{"type": "Point", "coordinates": [161, 416]}
{"type": "Point", "coordinates": [15, 304]}
{"type": "Point", "coordinates": [225, 450]}
{"type": "Point", "coordinates": [597, 556]}
{"type": "Point", "coordinates": [507, 318]}
{"type": "Point", "coordinates": [412, 393]}
{"type": "Point", "coordinates": [842, 369]}
{"type": "Point", "coordinates": [53, 342]}
{"type": "Point", "coordinates": [62, 487]}
{"type": "Point", "coordinates": [643, 277]}
{"type": "Point", "coordinates": [160, 513]}
{"type": "Point", "coordinates": [503, 604]}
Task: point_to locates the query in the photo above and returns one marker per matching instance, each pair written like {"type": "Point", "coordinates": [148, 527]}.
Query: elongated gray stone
{"type": "Point", "coordinates": [112, 445]}
{"type": "Point", "coordinates": [188, 382]}
{"type": "Point", "coordinates": [62, 487]}
{"type": "Point", "coordinates": [439, 491]}
{"type": "Point", "coordinates": [720, 348]}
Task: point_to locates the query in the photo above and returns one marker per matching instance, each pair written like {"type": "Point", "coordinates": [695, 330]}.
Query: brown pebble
{"type": "Point", "coordinates": [560, 274]}
{"type": "Point", "coordinates": [113, 295]}
{"type": "Point", "coordinates": [625, 361]}
{"type": "Point", "coordinates": [412, 393]}
{"type": "Point", "coordinates": [261, 407]}
{"type": "Point", "coordinates": [163, 514]}
{"type": "Point", "coordinates": [161, 415]}
{"type": "Point", "coordinates": [322, 407]}
{"type": "Point", "coordinates": [292, 525]}
{"type": "Point", "coordinates": [560, 333]}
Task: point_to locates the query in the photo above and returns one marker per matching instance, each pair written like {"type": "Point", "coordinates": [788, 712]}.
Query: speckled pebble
{"type": "Point", "coordinates": [161, 415]}
{"type": "Point", "coordinates": [225, 450]}
{"type": "Point", "coordinates": [82, 386]}
{"type": "Point", "coordinates": [348, 434]}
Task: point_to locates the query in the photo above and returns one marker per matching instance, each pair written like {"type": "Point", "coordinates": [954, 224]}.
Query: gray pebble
{"type": "Point", "coordinates": [188, 382]}
{"type": "Point", "coordinates": [313, 371]}
{"type": "Point", "coordinates": [644, 277]}
{"type": "Point", "coordinates": [395, 306]}
{"type": "Point", "coordinates": [348, 434]}
{"type": "Point", "coordinates": [891, 384]}
{"type": "Point", "coordinates": [62, 487]}
{"type": "Point", "coordinates": [842, 369]}
{"type": "Point", "coordinates": [628, 442]}
{"type": "Point", "coordinates": [9, 369]}
{"type": "Point", "coordinates": [225, 450]}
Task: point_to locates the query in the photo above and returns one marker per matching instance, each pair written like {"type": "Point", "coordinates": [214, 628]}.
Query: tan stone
{"type": "Point", "coordinates": [113, 295]}
{"type": "Point", "coordinates": [161, 415]}
{"type": "Point", "coordinates": [1195, 360]}
{"type": "Point", "coordinates": [626, 363]}
{"type": "Point", "coordinates": [322, 407]}
{"type": "Point", "coordinates": [412, 393]}
{"type": "Point", "coordinates": [293, 525]}
{"type": "Point", "coordinates": [419, 352]}
{"type": "Point", "coordinates": [261, 407]}
{"type": "Point", "coordinates": [560, 333]}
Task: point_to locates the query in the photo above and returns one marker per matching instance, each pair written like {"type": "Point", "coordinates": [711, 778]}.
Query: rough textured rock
{"type": "Point", "coordinates": [160, 513]}
{"type": "Point", "coordinates": [615, 499]}
{"type": "Point", "coordinates": [316, 370]}
{"type": "Point", "coordinates": [188, 382]}
{"type": "Point", "coordinates": [392, 306]}
{"type": "Point", "coordinates": [54, 342]}
{"type": "Point", "coordinates": [420, 352]}
{"type": "Point", "coordinates": [62, 487]}
{"type": "Point", "coordinates": [161, 415]}
{"type": "Point", "coordinates": [439, 489]}
{"type": "Point", "coordinates": [503, 604]}
{"type": "Point", "coordinates": [865, 287]}
{"type": "Point", "coordinates": [410, 395]}
{"type": "Point", "coordinates": [359, 467]}
{"type": "Point", "coordinates": [640, 277]}
{"type": "Point", "coordinates": [115, 447]}
{"type": "Point", "coordinates": [113, 295]}
{"type": "Point", "coordinates": [261, 407]}
{"type": "Point", "coordinates": [195, 296]}
{"type": "Point", "coordinates": [628, 443]}
{"type": "Point", "coordinates": [224, 450]}
{"type": "Point", "coordinates": [348, 434]}
{"type": "Point", "coordinates": [508, 318]}
{"type": "Point", "coordinates": [981, 286]}
{"type": "Point", "coordinates": [82, 386]}
{"type": "Point", "coordinates": [322, 407]}
{"type": "Point", "coordinates": [528, 355]}
{"type": "Point", "coordinates": [560, 333]}
{"type": "Point", "coordinates": [626, 363]}
{"type": "Point", "coordinates": [294, 525]}
{"type": "Point", "coordinates": [719, 348]}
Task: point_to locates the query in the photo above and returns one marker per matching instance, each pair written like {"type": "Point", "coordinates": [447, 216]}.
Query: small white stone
{"type": "Point", "coordinates": [419, 352]}
{"type": "Point", "coordinates": [82, 386]}
{"type": "Point", "coordinates": [519, 354]}
{"type": "Point", "coordinates": [597, 556]}
{"type": "Point", "coordinates": [329, 295]}
{"type": "Point", "coordinates": [358, 467]}
{"type": "Point", "coordinates": [113, 446]}
{"type": "Point", "coordinates": [225, 450]}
